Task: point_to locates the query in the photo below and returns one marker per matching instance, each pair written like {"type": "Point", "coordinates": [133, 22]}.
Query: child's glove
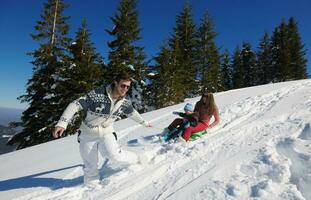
{"type": "Point", "coordinates": [180, 114]}
{"type": "Point", "coordinates": [176, 113]}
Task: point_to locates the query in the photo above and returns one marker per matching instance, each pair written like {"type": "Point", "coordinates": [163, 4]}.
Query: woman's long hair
{"type": "Point", "coordinates": [209, 104]}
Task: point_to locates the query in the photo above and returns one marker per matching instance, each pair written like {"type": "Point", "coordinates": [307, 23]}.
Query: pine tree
{"type": "Point", "coordinates": [85, 67]}
{"type": "Point", "coordinates": [298, 62]}
{"type": "Point", "coordinates": [84, 71]}
{"type": "Point", "coordinates": [208, 58]}
{"type": "Point", "coordinates": [288, 53]}
{"type": "Point", "coordinates": [238, 71]}
{"type": "Point", "coordinates": [264, 55]}
{"type": "Point", "coordinates": [226, 71]}
{"type": "Point", "coordinates": [281, 53]}
{"type": "Point", "coordinates": [248, 62]}
{"type": "Point", "coordinates": [166, 85]}
{"type": "Point", "coordinates": [185, 36]}
{"type": "Point", "coordinates": [160, 79]}
{"type": "Point", "coordinates": [177, 73]}
{"type": "Point", "coordinates": [39, 118]}
{"type": "Point", "coordinates": [124, 54]}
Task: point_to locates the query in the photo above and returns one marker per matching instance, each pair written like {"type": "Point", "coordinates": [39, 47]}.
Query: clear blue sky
{"type": "Point", "coordinates": [235, 21]}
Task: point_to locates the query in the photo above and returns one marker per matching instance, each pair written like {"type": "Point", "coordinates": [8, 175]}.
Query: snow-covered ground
{"type": "Point", "coordinates": [260, 150]}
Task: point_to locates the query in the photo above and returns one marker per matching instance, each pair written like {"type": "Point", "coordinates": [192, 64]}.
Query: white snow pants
{"type": "Point", "coordinates": [108, 147]}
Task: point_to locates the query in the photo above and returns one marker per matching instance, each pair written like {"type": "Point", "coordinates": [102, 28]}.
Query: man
{"type": "Point", "coordinates": [104, 105]}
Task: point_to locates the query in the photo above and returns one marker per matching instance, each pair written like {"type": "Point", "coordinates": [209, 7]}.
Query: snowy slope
{"type": "Point", "coordinates": [260, 150]}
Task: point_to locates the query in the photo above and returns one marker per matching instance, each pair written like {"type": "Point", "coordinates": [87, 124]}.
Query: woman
{"type": "Point", "coordinates": [205, 108]}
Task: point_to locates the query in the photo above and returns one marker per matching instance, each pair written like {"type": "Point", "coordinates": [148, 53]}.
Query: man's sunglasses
{"type": "Point", "coordinates": [123, 86]}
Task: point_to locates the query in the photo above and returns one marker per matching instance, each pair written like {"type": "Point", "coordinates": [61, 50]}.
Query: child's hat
{"type": "Point", "coordinates": [188, 107]}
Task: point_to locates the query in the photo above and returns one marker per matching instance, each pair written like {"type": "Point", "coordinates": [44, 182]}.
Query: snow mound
{"type": "Point", "coordinates": [260, 150]}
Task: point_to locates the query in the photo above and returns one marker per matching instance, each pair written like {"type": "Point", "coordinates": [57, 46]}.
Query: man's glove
{"type": "Point", "coordinates": [147, 124]}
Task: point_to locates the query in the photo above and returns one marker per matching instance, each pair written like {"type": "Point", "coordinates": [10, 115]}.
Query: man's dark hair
{"type": "Point", "coordinates": [123, 76]}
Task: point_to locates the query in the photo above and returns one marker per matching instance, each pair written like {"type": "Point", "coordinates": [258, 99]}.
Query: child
{"type": "Point", "coordinates": [176, 128]}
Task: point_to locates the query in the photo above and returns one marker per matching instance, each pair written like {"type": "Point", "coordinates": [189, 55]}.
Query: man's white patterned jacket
{"type": "Point", "coordinates": [101, 111]}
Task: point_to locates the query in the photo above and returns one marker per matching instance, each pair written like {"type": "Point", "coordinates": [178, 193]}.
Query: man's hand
{"type": "Point", "coordinates": [58, 131]}
{"type": "Point", "coordinates": [147, 124]}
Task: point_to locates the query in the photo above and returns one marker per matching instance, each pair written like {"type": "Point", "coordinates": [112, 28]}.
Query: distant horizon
{"type": "Point", "coordinates": [3, 107]}
{"type": "Point", "coordinates": [8, 115]}
{"type": "Point", "coordinates": [235, 22]}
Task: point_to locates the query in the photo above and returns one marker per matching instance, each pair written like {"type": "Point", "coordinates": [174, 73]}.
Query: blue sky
{"type": "Point", "coordinates": [235, 21]}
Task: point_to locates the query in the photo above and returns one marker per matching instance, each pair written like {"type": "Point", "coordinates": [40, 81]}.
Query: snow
{"type": "Point", "coordinates": [131, 67]}
{"type": "Point", "coordinates": [6, 136]}
{"type": "Point", "coordinates": [260, 150]}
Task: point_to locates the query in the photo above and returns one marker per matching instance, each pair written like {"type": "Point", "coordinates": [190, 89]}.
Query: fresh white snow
{"type": "Point", "coordinates": [260, 150]}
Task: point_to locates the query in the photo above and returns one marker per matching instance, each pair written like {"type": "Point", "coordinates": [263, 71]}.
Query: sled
{"type": "Point", "coordinates": [197, 135]}
{"type": "Point", "coordinates": [177, 133]}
